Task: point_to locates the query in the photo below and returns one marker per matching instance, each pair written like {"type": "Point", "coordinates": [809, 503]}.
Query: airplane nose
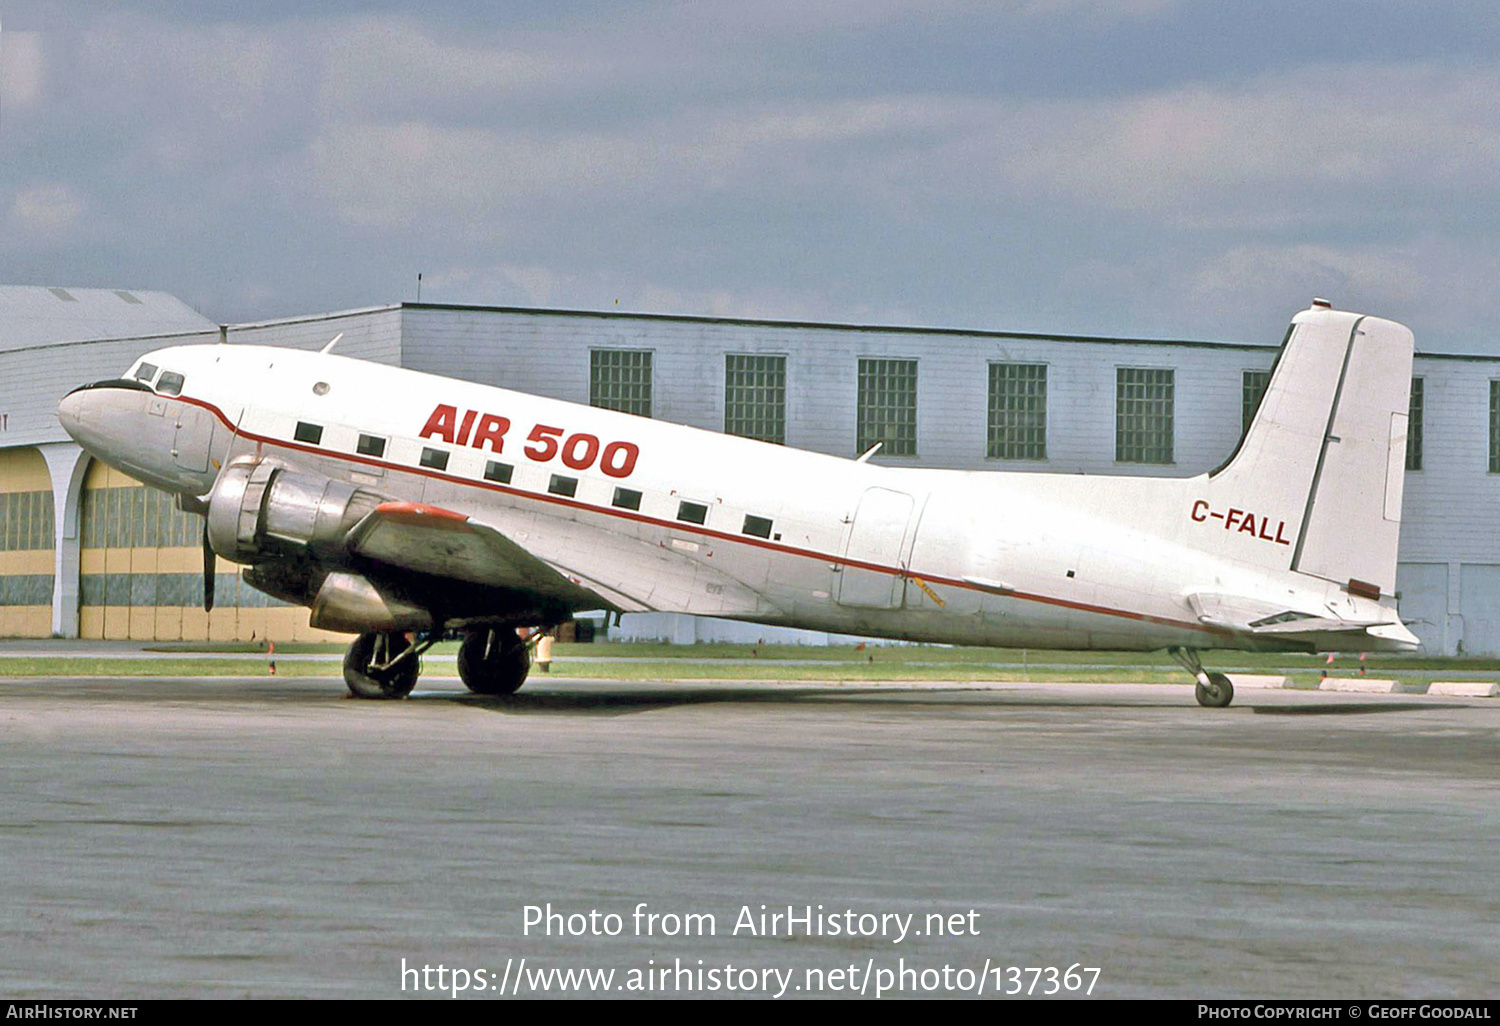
{"type": "Point", "coordinates": [73, 413]}
{"type": "Point", "coordinates": [86, 411]}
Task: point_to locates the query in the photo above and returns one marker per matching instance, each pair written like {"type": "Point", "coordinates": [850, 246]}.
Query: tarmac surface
{"type": "Point", "coordinates": [181, 837]}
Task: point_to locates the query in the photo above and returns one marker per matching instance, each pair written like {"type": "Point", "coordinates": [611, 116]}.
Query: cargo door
{"type": "Point", "coordinates": [871, 576]}
{"type": "Point", "coordinates": [194, 438]}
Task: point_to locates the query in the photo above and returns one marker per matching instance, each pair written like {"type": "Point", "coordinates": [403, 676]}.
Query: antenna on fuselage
{"type": "Point", "coordinates": [864, 457]}
{"type": "Point", "coordinates": [331, 343]}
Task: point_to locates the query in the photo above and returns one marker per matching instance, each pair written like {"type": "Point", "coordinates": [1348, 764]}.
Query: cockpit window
{"type": "Point", "coordinates": [145, 372]}
{"type": "Point", "coordinates": [170, 383]}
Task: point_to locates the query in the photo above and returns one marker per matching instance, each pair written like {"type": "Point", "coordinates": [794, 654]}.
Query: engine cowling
{"type": "Point", "coordinates": [355, 604]}
{"type": "Point", "coordinates": [260, 510]}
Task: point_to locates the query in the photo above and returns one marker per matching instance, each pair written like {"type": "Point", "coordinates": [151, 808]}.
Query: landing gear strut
{"type": "Point", "coordinates": [383, 665]}
{"type": "Point", "coordinates": [1214, 689]}
{"type": "Point", "coordinates": [493, 662]}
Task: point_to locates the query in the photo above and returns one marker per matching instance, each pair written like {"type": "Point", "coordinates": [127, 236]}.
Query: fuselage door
{"type": "Point", "coordinates": [877, 539]}
{"type": "Point", "coordinates": [194, 438]}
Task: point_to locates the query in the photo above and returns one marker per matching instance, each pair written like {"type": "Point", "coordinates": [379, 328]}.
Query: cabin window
{"type": "Point", "coordinates": [1145, 400]}
{"type": "Point", "coordinates": [620, 379]}
{"type": "Point", "coordinates": [495, 471]}
{"type": "Point", "coordinates": [560, 485]}
{"type": "Point", "coordinates": [755, 397]}
{"type": "Point", "coordinates": [1252, 391]}
{"type": "Point", "coordinates": [370, 445]}
{"type": "Point", "coordinates": [1414, 426]}
{"type": "Point", "coordinates": [145, 372]}
{"type": "Point", "coordinates": [627, 498]}
{"type": "Point", "coordinates": [312, 434]}
{"type": "Point", "coordinates": [437, 459]}
{"type": "Point", "coordinates": [886, 407]}
{"type": "Point", "coordinates": [756, 527]}
{"type": "Point", "coordinates": [170, 383]}
{"type": "Point", "coordinates": [1017, 427]}
{"type": "Point", "coordinates": [692, 512]}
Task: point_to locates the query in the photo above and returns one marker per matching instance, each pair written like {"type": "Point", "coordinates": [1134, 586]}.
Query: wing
{"type": "Point", "coordinates": [588, 570]}
{"type": "Point", "coordinates": [441, 543]}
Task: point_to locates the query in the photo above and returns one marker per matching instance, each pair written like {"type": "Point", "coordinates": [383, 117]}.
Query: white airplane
{"type": "Point", "coordinates": [407, 508]}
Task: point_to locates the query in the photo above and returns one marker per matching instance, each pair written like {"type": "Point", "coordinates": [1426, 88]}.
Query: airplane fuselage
{"type": "Point", "coordinates": [662, 517]}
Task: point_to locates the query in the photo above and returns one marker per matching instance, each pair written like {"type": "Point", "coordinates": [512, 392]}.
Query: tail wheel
{"type": "Point", "coordinates": [381, 665]}
{"type": "Point", "coordinates": [493, 662]}
{"type": "Point", "coordinates": [1218, 693]}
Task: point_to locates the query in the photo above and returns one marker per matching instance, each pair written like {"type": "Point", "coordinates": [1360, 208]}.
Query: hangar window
{"type": "Point", "coordinates": [312, 434]}
{"type": "Point", "coordinates": [1414, 426]}
{"type": "Point", "coordinates": [886, 410]}
{"type": "Point", "coordinates": [437, 459]}
{"type": "Point", "coordinates": [1252, 391]}
{"type": "Point", "coordinates": [26, 521]}
{"type": "Point", "coordinates": [145, 372]}
{"type": "Point", "coordinates": [1145, 400]}
{"type": "Point", "coordinates": [370, 445]}
{"type": "Point", "coordinates": [1018, 412]}
{"type": "Point", "coordinates": [757, 527]}
{"type": "Point", "coordinates": [170, 383]}
{"type": "Point", "coordinates": [560, 485]}
{"type": "Point", "coordinates": [1495, 427]}
{"type": "Point", "coordinates": [627, 498]}
{"type": "Point", "coordinates": [500, 472]}
{"type": "Point", "coordinates": [692, 512]}
{"type": "Point", "coordinates": [620, 379]}
{"type": "Point", "coordinates": [755, 397]}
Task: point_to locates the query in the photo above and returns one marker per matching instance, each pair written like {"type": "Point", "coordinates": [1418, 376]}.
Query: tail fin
{"type": "Point", "coordinates": [1326, 451]}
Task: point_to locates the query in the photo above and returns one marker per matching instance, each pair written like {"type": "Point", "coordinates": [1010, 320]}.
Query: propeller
{"type": "Point", "coordinates": [208, 571]}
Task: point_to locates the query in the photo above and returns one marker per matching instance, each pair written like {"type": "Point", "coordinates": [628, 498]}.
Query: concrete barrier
{"type": "Point", "coordinates": [1259, 680]}
{"type": "Point", "coordinates": [1464, 688]}
{"type": "Point", "coordinates": [1362, 685]}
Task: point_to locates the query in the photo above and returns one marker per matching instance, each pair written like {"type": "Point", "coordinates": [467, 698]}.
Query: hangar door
{"type": "Point", "coordinates": [878, 536]}
{"type": "Point", "coordinates": [1479, 600]}
{"type": "Point", "coordinates": [1423, 588]}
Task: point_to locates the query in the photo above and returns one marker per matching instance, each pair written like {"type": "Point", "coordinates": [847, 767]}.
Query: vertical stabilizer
{"type": "Point", "coordinates": [1326, 453]}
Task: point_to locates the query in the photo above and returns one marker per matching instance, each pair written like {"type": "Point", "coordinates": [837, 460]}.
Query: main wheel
{"type": "Point", "coordinates": [368, 653]}
{"type": "Point", "coordinates": [493, 662]}
{"type": "Point", "coordinates": [1218, 694]}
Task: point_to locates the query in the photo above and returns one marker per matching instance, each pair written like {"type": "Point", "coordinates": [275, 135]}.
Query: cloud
{"type": "Point", "coordinates": [1313, 148]}
{"type": "Point", "coordinates": [1395, 274]}
{"type": "Point", "coordinates": [1264, 149]}
{"type": "Point", "coordinates": [610, 289]}
{"type": "Point", "coordinates": [47, 210]}
{"type": "Point", "coordinates": [23, 70]}
{"type": "Point", "coordinates": [390, 68]}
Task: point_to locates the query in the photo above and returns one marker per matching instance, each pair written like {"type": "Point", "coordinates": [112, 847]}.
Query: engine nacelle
{"type": "Point", "coordinates": [354, 604]}
{"type": "Point", "coordinates": [260, 510]}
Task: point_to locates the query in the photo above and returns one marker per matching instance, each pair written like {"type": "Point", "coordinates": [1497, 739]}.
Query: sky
{"type": "Point", "coordinates": [1140, 168]}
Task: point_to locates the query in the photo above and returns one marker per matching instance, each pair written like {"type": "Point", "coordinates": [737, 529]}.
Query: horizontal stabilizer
{"type": "Point", "coordinates": [1262, 619]}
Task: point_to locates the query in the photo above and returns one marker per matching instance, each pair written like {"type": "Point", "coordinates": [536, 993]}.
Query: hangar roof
{"type": "Point", "coordinates": [32, 315]}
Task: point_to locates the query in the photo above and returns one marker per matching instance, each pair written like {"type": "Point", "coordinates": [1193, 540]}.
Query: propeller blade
{"type": "Point", "coordinates": [208, 572]}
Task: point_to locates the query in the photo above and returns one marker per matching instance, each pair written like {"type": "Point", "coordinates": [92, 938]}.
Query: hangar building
{"type": "Point", "coordinates": [86, 551]}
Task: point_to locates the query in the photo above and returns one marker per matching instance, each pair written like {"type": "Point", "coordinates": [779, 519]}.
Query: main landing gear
{"type": "Point", "coordinates": [383, 665]}
{"type": "Point", "coordinates": [1214, 689]}
{"type": "Point", "coordinates": [386, 664]}
{"type": "Point", "coordinates": [493, 662]}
